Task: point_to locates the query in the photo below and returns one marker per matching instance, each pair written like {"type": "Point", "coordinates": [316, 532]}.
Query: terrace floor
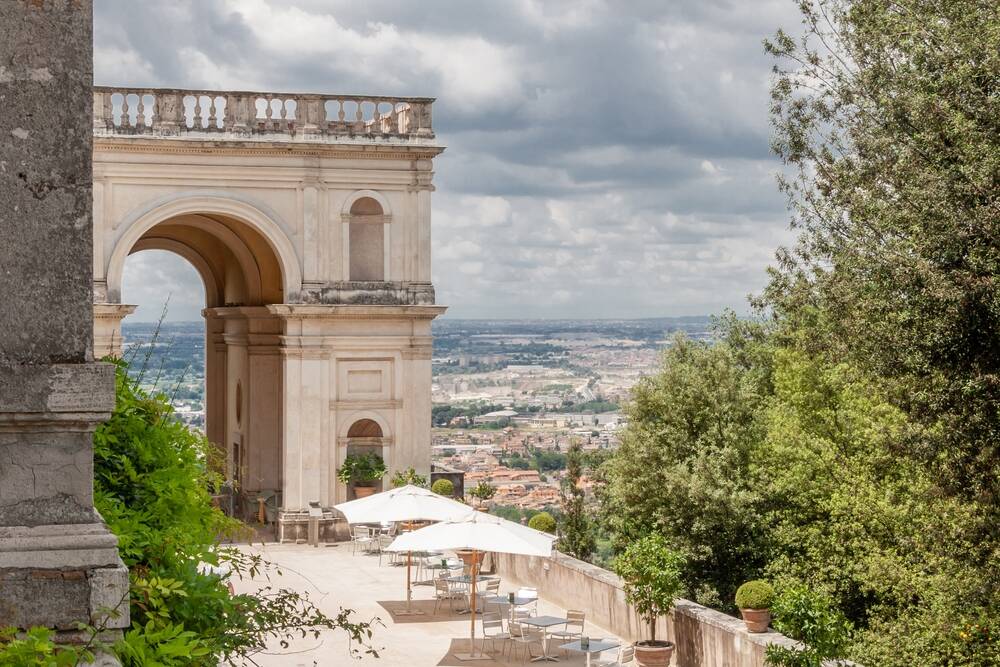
{"type": "Point", "coordinates": [335, 578]}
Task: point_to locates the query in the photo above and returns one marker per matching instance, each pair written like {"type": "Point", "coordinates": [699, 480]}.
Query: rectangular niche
{"type": "Point", "coordinates": [366, 380]}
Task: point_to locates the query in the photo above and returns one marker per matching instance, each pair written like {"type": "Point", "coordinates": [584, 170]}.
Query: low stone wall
{"type": "Point", "coordinates": [704, 637]}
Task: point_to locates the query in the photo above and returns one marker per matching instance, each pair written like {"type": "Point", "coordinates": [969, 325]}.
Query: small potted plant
{"type": "Point", "coordinates": [408, 476]}
{"type": "Point", "coordinates": [443, 487]}
{"type": "Point", "coordinates": [482, 492]}
{"type": "Point", "coordinates": [651, 577]}
{"type": "Point", "coordinates": [754, 600]}
{"type": "Point", "coordinates": [363, 470]}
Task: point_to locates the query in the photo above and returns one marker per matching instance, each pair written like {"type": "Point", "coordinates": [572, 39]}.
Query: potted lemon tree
{"type": "Point", "coordinates": [651, 577]}
{"type": "Point", "coordinates": [363, 470]}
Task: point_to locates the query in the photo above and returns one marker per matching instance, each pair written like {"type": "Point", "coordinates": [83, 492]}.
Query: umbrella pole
{"type": "Point", "coordinates": [472, 655]}
{"type": "Point", "coordinates": [409, 611]}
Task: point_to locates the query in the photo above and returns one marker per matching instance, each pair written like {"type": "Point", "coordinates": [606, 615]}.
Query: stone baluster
{"type": "Point", "coordinates": [359, 119]}
{"type": "Point", "coordinates": [140, 113]}
{"type": "Point", "coordinates": [268, 113]}
{"type": "Point", "coordinates": [125, 121]}
{"type": "Point", "coordinates": [212, 119]}
{"type": "Point", "coordinates": [196, 115]}
{"type": "Point", "coordinates": [168, 111]}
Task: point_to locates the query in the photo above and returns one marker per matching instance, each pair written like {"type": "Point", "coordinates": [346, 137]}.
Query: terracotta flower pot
{"type": "Point", "coordinates": [363, 491]}
{"type": "Point", "coordinates": [757, 620]}
{"type": "Point", "coordinates": [654, 654]}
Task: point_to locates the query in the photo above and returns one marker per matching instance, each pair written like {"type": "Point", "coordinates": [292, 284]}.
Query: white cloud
{"type": "Point", "coordinates": [604, 159]}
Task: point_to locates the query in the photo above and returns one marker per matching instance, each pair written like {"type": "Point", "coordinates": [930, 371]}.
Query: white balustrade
{"type": "Point", "coordinates": [167, 112]}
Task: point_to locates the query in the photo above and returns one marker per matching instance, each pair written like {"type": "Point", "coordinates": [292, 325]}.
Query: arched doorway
{"type": "Point", "coordinates": [242, 274]}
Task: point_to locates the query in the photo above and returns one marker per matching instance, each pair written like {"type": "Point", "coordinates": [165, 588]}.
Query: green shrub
{"type": "Point", "coordinates": [755, 594]}
{"type": "Point", "coordinates": [811, 618]}
{"type": "Point", "coordinates": [36, 648]}
{"type": "Point", "coordinates": [408, 476]}
{"type": "Point", "coordinates": [543, 521]}
{"type": "Point", "coordinates": [443, 487]}
{"type": "Point", "coordinates": [651, 574]}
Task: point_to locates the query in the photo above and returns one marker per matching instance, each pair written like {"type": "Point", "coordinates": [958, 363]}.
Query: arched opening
{"type": "Point", "coordinates": [365, 438]}
{"type": "Point", "coordinates": [365, 428]}
{"type": "Point", "coordinates": [237, 376]}
{"type": "Point", "coordinates": [167, 356]}
{"type": "Point", "coordinates": [367, 240]}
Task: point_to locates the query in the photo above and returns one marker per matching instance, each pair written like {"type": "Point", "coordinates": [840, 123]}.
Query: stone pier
{"type": "Point", "coordinates": [59, 565]}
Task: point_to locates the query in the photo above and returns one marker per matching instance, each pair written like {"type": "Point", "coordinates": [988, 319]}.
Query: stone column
{"type": "Point", "coordinates": [108, 328]}
{"type": "Point", "coordinates": [59, 565]}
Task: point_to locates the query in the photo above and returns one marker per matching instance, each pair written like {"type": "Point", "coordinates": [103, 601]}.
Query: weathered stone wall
{"type": "Point", "coordinates": [59, 565]}
{"type": "Point", "coordinates": [704, 637]}
{"type": "Point", "coordinates": [46, 81]}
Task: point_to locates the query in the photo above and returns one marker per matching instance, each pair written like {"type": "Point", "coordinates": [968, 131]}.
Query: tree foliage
{"type": "Point", "coordinates": [848, 444]}
{"type": "Point", "coordinates": [651, 575]}
{"type": "Point", "coordinates": [577, 536]}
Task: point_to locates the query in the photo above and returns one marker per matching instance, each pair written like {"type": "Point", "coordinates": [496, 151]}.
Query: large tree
{"type": "Point", "coordinates": [888, 114]}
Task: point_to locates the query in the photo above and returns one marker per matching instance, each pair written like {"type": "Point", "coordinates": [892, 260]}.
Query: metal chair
{"type": "Point", "coordinates": [360, 537]}
{"type": "Point", "coordinates": [525, 635]}
{"type": "Point", "coordinates": [573, 629]}
{"type": "Point", "coordinates": [493, 631]}
{"type": "Point", "coordinates": [626, 656]}
{"type": "Point", "coordinates": [381, 542]}
{"type": "Point", "coordinates": [531, 594]}
{"type": "Point", "coordinates": [442, 592]}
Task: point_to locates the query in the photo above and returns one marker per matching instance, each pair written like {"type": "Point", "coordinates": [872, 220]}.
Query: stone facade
{"type": "Point", "coordinates": [308, 218]}
{"type": "Point", "coordinates": [59, 564]}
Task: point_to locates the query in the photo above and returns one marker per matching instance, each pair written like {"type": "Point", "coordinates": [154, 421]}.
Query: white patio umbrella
{"type": "Point", "coordinates": [406, 503]}
{"type": "Point", "coordinates": [478, 532]}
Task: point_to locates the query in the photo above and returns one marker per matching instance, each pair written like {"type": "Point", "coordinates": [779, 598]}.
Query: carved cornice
{"type": "Point", "coordinates": [270, 149]}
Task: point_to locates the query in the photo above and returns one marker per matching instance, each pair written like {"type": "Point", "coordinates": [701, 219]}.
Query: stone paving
{"type": "Point", "coordinates": [335, 578]}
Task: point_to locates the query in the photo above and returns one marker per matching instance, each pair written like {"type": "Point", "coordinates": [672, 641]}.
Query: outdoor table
{"type": "Point", "coordinates": [544, 622]}
{"type": "Point", "coordinates": [596, 646]}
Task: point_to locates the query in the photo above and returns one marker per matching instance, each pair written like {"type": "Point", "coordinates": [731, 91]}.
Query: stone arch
{"type": "Point", "coordinates": [203, 204]}
{"type": "Point", "coordinates": [197, 260]}
{"type": "Point", "coordinates": [370, 194]}
{"type": "Point", "coordinates": [364, 415]}
{"type": "Point", "coordinates": [364, 428]}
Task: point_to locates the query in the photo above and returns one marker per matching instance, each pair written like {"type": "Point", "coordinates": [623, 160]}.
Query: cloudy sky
{"type": "Point", "coordinates": [606, 158]}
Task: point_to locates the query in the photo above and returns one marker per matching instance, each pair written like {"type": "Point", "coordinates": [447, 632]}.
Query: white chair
{"type": "Point", "coordinates": [626, 656]}
{"type": "Point", "coordinates": [360, 537]}
{"type": "Point", "coordinates": [442, 592]}
{"type": "Point", "coordinates": [383, 541]}
{"type": "Point", "coordinates": [573, 628]}
{"type": "Point", "coordinates": [493, 631]}
{"type": "Point", "coordinates": [532, 595]}
{"type": "Point", "coordinates": [525, 635]}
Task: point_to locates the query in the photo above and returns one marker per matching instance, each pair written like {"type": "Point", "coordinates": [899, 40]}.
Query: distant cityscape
{"type": "Point", "coordinates": [509, 396]}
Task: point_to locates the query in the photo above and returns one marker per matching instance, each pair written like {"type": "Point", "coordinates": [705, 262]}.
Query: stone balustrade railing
{"type": "Point", "coordinates": [172, 112]}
